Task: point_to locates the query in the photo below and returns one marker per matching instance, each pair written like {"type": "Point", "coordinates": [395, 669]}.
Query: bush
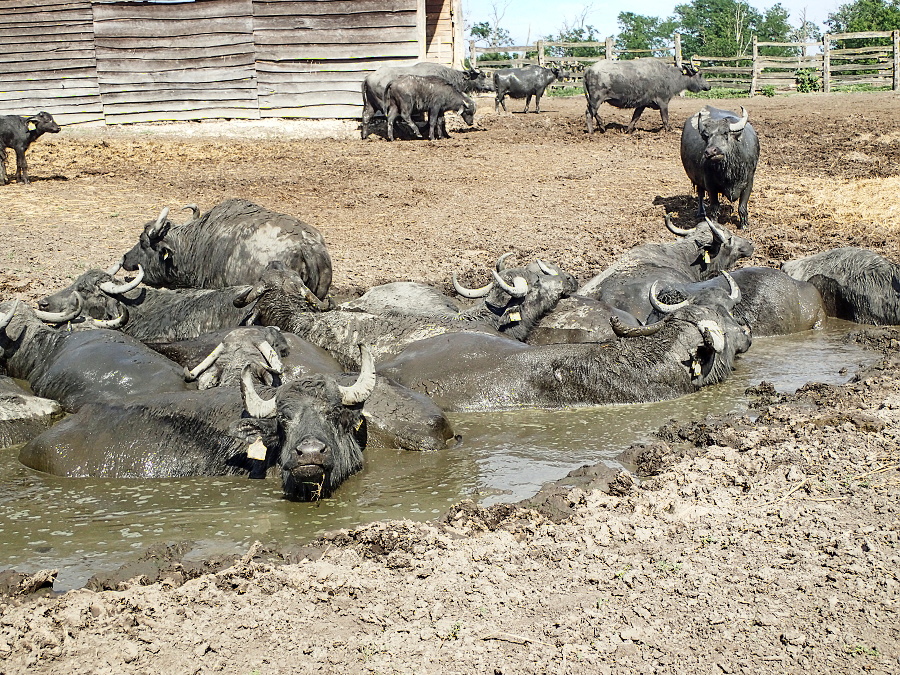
{"type": "Point", "coordinates": [767, 90]}
{"type": "Point", "coordinates": [718, 92]}
{"type": "Point", "coordinates": [807, 80]}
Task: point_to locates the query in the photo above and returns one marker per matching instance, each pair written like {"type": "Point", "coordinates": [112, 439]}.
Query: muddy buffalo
{"type": "Point", "coordinates": [523, 83]}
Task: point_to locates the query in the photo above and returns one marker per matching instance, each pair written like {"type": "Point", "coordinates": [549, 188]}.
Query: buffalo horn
{"type": "Point", "coordinates": [117, 322]}
{"type": "Point", "coordinates": [154, 230]}
{"type": "Point", "coordinates": [365, 383]}
{"type": "Point", "coordinates": [204, 365]}
{"type": "Point", "coordinates": [622, 330]}
{"type": "Point", "coordinates": [717, 231]}
{"type": "Point", "coordinates": [546, 269]}
{"type": "Point", "coordinates": [118, 289]}
{"type": "Point", "coordinates": [471, 293]}
{"type": "Point", "coordinates": [6, 318]}
{"type": "Point", "coordinates": [61, 317]}
{"type": "Point", "coordinates": [713, 335]}
{"type": "Point", "coordinates": [501, 265]}
{"type": "Point", "coordinates": [740, 124]}
{"type": "Point", "coordinates": [255, 406]}
{"type": "Point", "coordinates": [519, 288]}
{"type": "Point", "coordinates": [674, 229]}
{"type": "Point", "coordinates": [195, 210]}
{"type": "Point", "coordinates": [734, 290]}
{"type": "Point", "coordinates": [116, 267]}
{"type": "Point", "coordinates": [271, 356]}
{"type": "Point", "coordinates": [661, 306]}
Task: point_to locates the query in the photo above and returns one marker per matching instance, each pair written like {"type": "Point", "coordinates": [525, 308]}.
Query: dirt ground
{"type": "Point", "coordinates": [751, 545]}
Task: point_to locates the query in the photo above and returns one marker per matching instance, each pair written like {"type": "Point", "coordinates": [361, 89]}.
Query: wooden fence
{"type": "Point", "coordinates": [876, 64]}
{"type": "Point", "coordinates": [121, 61]}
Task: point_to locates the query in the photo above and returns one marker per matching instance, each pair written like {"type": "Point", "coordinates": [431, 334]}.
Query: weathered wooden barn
{"type": "Point", "coordinates": [119, 61]}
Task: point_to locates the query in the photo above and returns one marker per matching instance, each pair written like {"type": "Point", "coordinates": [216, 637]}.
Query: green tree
{"type": "Point", "coordinates": [727, 27]}
{"type": "Point", "coordinates": [638, 31]}
{"type": "Point", "coordinates": [492, 34]}
{"type": "Point", "coordinates": [865, 15]}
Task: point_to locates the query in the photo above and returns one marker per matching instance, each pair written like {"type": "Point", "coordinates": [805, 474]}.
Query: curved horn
{"type": "Point", "coordinates": [740, 124]}
{"type": "Point", "coordinates": [674, 229]}
{"type": "Point", "coordinates": [713, 335]}
{"type": "Point", "coordinates": [157, 226]}
{"type": "Point", "coordinates": [205, 364]}
{"type": "Point", "coordinates": [111, 271]}
{"type": "Point", "coordinates": [61, 317]}
{"type": "Point", "coordinates": [471, 293]}
{"type": "Point", "coordinates": [6, 318]}
{"type": "Point", "coordinates": [117, 322]}
{"type": "Point", "coordinates": [271, 356]}
{"type": "Point", "coordinates": [547, 270]}
{"type": "Point", "coordinates": [365, 383]}
{"type": "Point", "coordinates": [622, 330]}
{"type": "Point", "coordinates": [717, 231]}
{"type": "Point", "coordinates": [500, 265]}
{"type": "Point", "coordinates": [194, 209]}
{"type": "Point", "coordinates": [118, 289]}
{"type": "Point", "coordinates": [519, 288]}
{"type": "Point", "coordinates": [661, 306]}
{"type": "Point", "coordinates": [253, 404]}
{"type": "Point", "coordinates": [734, 291]}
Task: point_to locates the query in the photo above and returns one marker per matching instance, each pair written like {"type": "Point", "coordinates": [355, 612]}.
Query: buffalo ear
{"type": "Point", "coordinates": [248, 429]}
{"type": "Point", "coordinates": [167, 252]}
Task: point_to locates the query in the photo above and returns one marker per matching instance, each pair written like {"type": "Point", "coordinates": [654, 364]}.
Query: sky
{"type": "Point", "coordinates": [529, 20]}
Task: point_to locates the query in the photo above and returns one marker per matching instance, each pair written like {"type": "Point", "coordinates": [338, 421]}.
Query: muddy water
{"type": "Point", "coordinates": [81, 525]}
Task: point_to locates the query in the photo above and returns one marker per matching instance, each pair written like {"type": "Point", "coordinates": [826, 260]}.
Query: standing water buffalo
{"type": "Point", "coordinates": [375, 84]}
{"type": "Point", "coordinates": [638, 84]}
{"type": "Point", "coordinates": [856, 284]}
{"type": "Point", "coordinates": [523, 83]}
{"type": "Point", "coordinates": [409, 95]}
{"type": "Point", "coordinates": [17, 133]}
{"type": "Point", "coordinates": [719, 151]}
{"type": "Point", "coordinates": [229, 245]}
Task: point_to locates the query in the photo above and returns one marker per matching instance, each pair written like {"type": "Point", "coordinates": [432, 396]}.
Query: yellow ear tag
{"type": "Point", "coordinates": [166, 255]}
{"type": "Point", "coordinates": [257, 449]}
{"type": "Point", "coordinates": [515, 316]}
{"type": "Point", "coordinates": [706, 257]}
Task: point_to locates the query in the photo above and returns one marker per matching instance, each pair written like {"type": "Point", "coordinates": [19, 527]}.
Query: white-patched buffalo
{"type": "Point", "coordinates": [638, 84]}
{"type": "Point", "coordinates": [375, 84]}
{"type": "Point", "coordinates": [856, 284]}
{"type": "Point", "coordinates": [408, 96]}
{"type": "Point", "coordinates": [720, 151]}
{"type": "Point", "coordinates": [229, 245]}
{"type": "Point", "coordinates": [18, 133]}
{"type": "Point", "coordinates": [523, 83]}
{"type": "Point", "coordinates": [700, 253]}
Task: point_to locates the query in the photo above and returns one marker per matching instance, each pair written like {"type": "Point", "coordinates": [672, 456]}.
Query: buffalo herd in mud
{"type": "Point", "coordinates": [224, 353]}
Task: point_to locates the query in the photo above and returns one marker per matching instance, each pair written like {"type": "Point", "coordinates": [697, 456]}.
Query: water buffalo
{"type": "Point", "coordinates": [375, 84]}
{"type": "Point", "coordinates": [578, 319]}
{"type": "Point", "coordinates": [308, 431]}
{"type": "Point", "coordinates": [80, 367]}
{"type": "Point", "coordinates": [638, 84]}
{"type": "Point", "coordinates": [856, 284]}
{"type": "Point", "coordinates": [763, 298]}
{"type": "Point", "coordinates": [720, 151]}
{"type": "Point", "coordinates": [23, 415]}
{"type": "Point", "coordinates": [151, 314]}
{"type": "Point", "coordinates": [700, 253]}
{"type": "Point", "coordinates": [694, 348]}
{"type": "Point", "coordinates": [18, 133]}
{"type": "Point", "coordinates": [229, 245]}
{"type": "Point", "coordinates": [523, 83]}
{"type": "Point", "coordinates": [408, 95]}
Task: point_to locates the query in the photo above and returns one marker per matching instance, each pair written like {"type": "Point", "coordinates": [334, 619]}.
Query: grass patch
{"type": "Point", "coordinates": [565, 91]}
{"type": "Point", "coordinates": [862, 86]}
{"type": "Point", "coordinates": [718, 92]}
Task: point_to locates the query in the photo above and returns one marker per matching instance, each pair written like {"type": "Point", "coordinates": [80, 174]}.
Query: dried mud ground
{"type": "Point", "coordinates": [756, 544]}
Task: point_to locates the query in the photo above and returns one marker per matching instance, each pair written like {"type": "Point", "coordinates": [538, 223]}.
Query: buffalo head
{"type": "Point", "coordinates": [717, 247]}
{"type": "Point", "coordinates": [99, 294]}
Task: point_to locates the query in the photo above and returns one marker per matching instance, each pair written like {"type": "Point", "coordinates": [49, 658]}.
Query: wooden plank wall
{"type": "Point", "coordinates": [439, 31]}
{"type": "Point", "coordinates": [312, 55]}
{"type": "Point", "coordinates": [47, 60]}
{"type": "Point", "coordinates": [176, 61]}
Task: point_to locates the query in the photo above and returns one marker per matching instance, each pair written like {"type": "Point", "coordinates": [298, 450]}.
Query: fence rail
{"type": "Point", "coordinates": [876, 64]}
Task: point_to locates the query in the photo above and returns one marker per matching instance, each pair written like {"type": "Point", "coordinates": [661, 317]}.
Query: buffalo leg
{"type": "Point", "coordinates": [714, 205]}
{"type": "Point", "coordinates": [701, 207]}
{"type": "Point", "coordinates": [634, 119]}
{"type": "Point", "coordinates": [21, 167]}
{"type": "Point", "coordinates": [743, 212]}
{"type": "Point", "coordinates": [2, 166]}
{"type": "Point", "coordinates": [592, 114]}
{"type": "Point", "coordinates": [537, 103]}
{"type": "Point", "coordinates": [664, 115]}
{"type": "Point", "coordinates": [527, 101]}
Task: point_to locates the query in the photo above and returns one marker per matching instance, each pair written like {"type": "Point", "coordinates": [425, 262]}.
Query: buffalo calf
{"type": "Point", "coordinates": [18, 133]}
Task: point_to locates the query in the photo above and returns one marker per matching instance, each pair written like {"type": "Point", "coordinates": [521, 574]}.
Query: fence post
{"type": "Point", "coordinates": [678, 61]}
{"type": "Point", "coordinates": [755, 70]}
{"type": "Point", "coordinates": [540, 48]}
{"type": "Point", "coordinates": [473, 55]}
{"type": "Point", "coordinates": [896, 37]}
{"type": "Point", "coordinates": [826, 63]}
{"type": "Point", "coordinates": [610, 47]}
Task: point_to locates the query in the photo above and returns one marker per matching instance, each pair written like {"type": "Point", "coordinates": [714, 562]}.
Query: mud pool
{"type": "Point", "coordinates": [81, 526]}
